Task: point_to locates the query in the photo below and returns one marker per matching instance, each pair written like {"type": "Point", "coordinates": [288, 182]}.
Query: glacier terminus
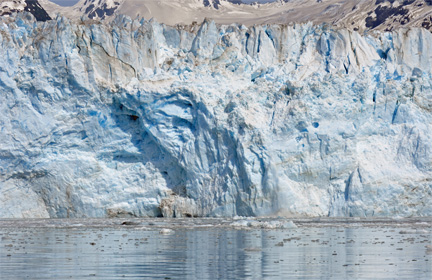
{"type": "Point", "coordinates": [133, 117]}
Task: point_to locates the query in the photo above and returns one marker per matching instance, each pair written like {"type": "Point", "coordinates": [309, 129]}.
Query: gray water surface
{"type": "Point", "coordinates": [214, 249]}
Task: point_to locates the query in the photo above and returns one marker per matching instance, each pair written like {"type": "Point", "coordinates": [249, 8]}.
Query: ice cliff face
{"type": "Point", "coordinates": [138, 118]}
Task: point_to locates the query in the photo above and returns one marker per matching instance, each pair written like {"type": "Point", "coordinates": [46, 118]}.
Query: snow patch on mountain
{"type": "Point", "coordinates": [7, 7]}
{"type": "Point", "coordinates": [99, 9]}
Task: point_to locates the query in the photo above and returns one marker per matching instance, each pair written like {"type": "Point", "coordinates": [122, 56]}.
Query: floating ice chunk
{"type": "Point", "coordinates": [241, 223]}
{"type": "Point", "coordinates": [166, 231]}
{"type": "Point", "coordinates": [264, 224]}
{"type": "Point", "coordinates": [289, 224]}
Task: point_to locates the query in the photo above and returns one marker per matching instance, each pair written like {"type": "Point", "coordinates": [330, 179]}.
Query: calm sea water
{"type": "Point", "coordinates": [214, 249]}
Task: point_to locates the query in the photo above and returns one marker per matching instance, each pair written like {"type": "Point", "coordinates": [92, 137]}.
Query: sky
{"type": "Point", "coordinates": [72, 2]}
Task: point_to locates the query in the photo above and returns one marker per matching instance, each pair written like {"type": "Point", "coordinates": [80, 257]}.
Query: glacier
{"type": "Point", "coordinates": [138, 118]}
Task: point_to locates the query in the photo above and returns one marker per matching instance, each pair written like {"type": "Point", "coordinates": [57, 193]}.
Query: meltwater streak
{"type": "Point", "coordinates": [212, 249]}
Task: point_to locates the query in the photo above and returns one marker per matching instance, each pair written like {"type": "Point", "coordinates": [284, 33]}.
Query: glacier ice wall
{"type": "Point", "coordinates": [135, 118]}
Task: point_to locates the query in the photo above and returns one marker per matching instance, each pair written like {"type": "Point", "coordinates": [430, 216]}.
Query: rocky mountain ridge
{"type": "Point", "coordinates": [358, 15]}
{"type": "Point", "coordinates": [8, 7]}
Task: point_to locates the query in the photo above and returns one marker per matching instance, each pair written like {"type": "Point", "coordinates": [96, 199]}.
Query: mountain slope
{"type": "Point", "coordinates": [98, 9]}
{"type": "Point", "coordinates": [7, 7]}
{"type": "Point", "coordinates": [353, 14]}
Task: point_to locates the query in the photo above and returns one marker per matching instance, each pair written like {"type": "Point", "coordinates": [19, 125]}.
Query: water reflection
{"type": "Point", "coordinates": [220, 253]}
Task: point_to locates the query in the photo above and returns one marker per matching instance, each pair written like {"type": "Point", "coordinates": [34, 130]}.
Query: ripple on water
{"type": "Point", "coordinates": [215, 249]}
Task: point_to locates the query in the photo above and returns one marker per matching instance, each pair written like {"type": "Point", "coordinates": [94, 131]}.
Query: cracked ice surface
{"type": "Point", "coordinates": [135, 118]}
